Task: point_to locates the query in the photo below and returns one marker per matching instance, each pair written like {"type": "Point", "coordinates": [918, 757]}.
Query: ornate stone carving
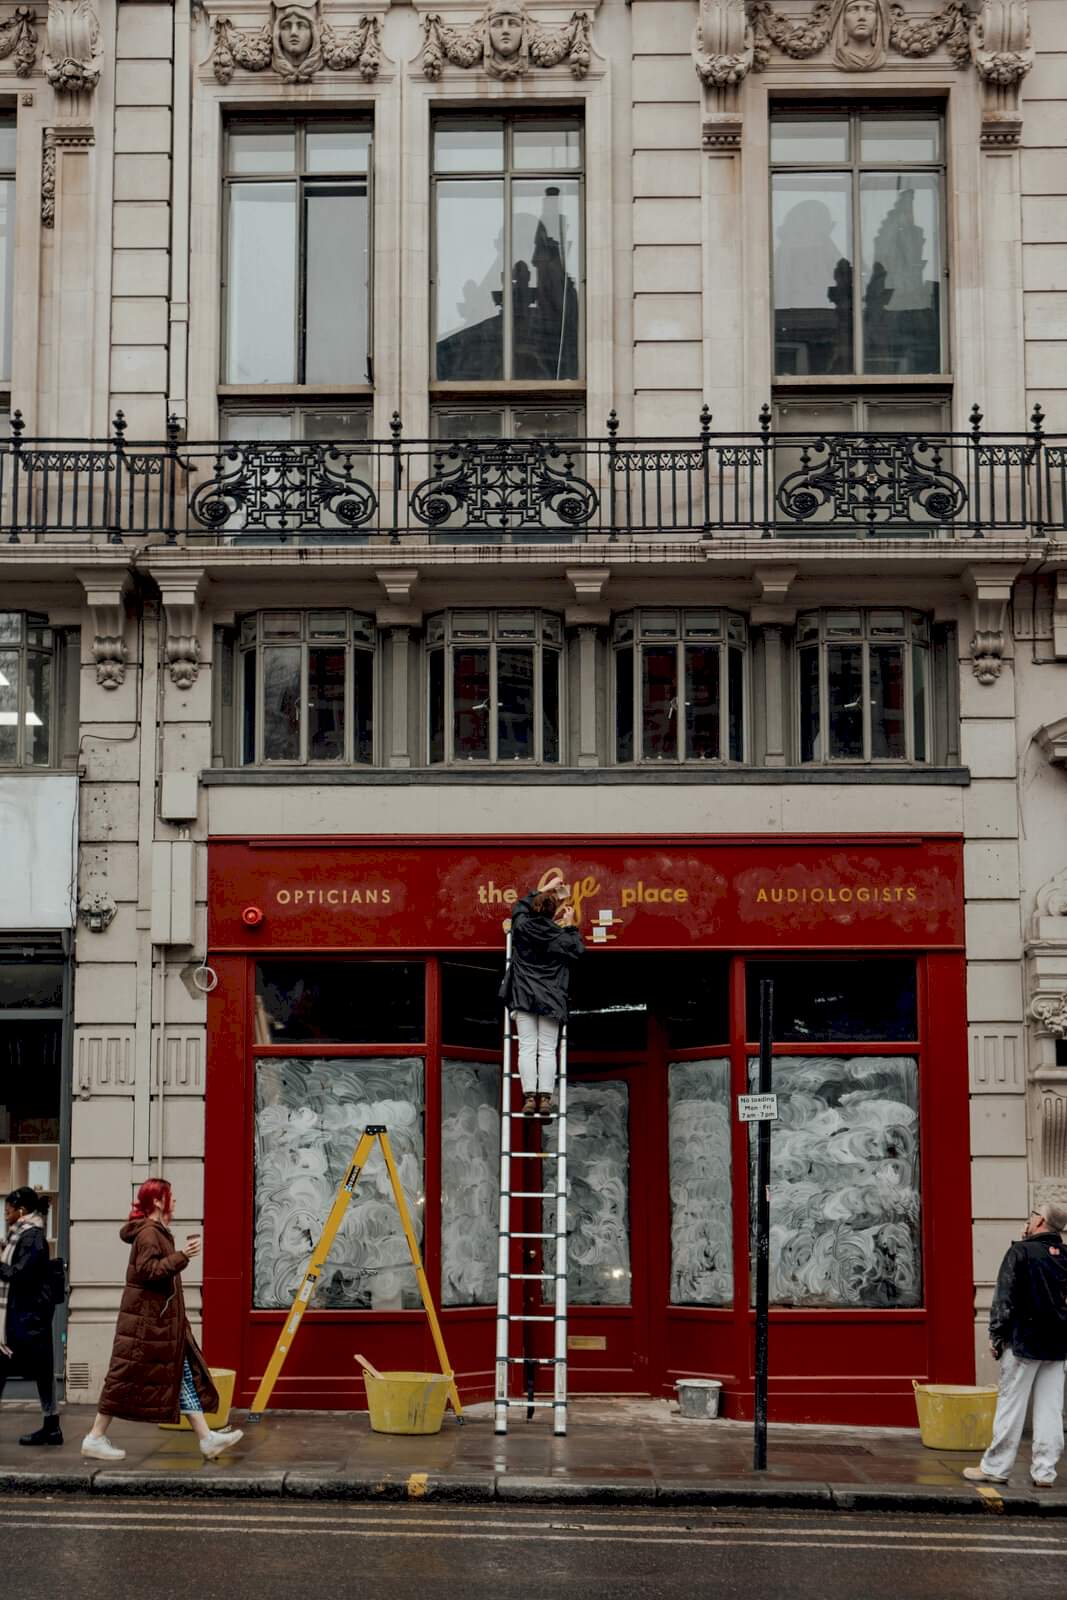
{"type": "Point", "coordinates": [860, 33]}
{"type": "Point", "coordinates": [18, 38]}
{"type": "Point", "coordinates": [48, 180]}
{"type": "Point", "coordinates": [73, 57]}
{"type": "Point", "coordinates": [105, 594]}
{"type": "Point", "coordinates": [1052, 740]}
{"type": "Point", "coordinates": [296, 43]}
{"type": "Point", "coordinates": [720, 133]}
{"type": "Point", "coordinates": [722, 43]}
{"type": "Point", "coordinates": [180, 594]}
{"type": "Point", "coordinates": [1003, 52]}
{"type": "Point", "coordinates": [987, 650]}
{"type": "Point", "coordinates": [97, 911]}
{"type": "Point", "coordinates": [1049, 1011]}
{"type": "Point", "coordinates": [109, 653]}
{"type": "Point", "coordinates": [506, 43]}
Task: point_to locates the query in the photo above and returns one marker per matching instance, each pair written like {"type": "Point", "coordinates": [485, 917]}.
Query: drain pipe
{"type": "Point", "coordinates": [161, 1063]}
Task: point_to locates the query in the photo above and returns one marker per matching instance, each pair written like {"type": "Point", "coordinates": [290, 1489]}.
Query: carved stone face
{"type": "Point", "coordinates": [294, 37]}
{"type": "Point", "coordinates": [861, 19]}
{"type": "Point", "coordinates": [505, 34]}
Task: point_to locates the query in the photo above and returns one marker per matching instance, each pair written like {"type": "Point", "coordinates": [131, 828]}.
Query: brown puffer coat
{"type": "Point", "coordinates": [153, 1339]}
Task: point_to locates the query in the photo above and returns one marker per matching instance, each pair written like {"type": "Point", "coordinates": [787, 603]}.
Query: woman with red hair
{"type": "Point", "coordinates": [157, 1373]}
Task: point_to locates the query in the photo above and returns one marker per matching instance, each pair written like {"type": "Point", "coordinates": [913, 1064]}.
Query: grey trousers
{"type": "Point", "coordinates": [1018, 1380]}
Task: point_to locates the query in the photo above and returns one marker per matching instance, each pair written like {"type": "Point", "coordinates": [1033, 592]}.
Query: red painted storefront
{"type": "Point", "coordinates": [740, 900]}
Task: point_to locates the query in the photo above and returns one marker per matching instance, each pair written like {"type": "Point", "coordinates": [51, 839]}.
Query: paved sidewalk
{"type": "Point", "coordinates": [617, 1452]}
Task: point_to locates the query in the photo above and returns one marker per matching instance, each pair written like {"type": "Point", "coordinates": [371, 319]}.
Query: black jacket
{"type": "Point", "coordinates": [1029, 1311]}
{"type": "Point", "coordinates": [29, 1295]}
{"type": "Point", "coordinates": [542, 955]}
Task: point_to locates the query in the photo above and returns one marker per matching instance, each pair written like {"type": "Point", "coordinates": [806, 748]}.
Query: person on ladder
{"type": "Point", "coordinates": [545, 945]}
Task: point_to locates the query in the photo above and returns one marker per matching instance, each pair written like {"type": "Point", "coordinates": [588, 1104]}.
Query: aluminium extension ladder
{"type": "Point", "coordinates": [534, 1165]}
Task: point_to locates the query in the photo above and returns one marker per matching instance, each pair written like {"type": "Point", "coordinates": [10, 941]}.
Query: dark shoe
{"type": "Point", "coordinates": [48, 1433]}
{"type": "Point", "coordinates": [544, 1104]}
{"type": "Point", "coordinates": [529, 1105]}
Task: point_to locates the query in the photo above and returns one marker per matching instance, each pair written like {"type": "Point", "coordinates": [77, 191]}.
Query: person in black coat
{"type": "Point", "coordinates": [27, 1306]}
{"type": "Point", "coordinates": [545, 944]}
{"type": "Point", "coordinates": [1028, 1336]}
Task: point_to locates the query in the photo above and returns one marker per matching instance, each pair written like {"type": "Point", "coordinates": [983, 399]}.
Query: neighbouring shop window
{"type": "Point", "coordinates": [508, 251]}
{"type": "Point", "coordinates": [297, 197]}
{"type": "Point", "coordinates": [863, 686]}
{"type": "Point", "coordinates": [306, 687]}
{"type": "Point", "coordinates": [701, 1202]}
{"type": "Point", "coordinates": [845, 1200]}
{"type": "Point", "coordinates": [598, 1195]}
{"type": "Point", "coordinates": [494, 686]}
{"type": "Point", "coordinates": [817, 1002]}
{"type": "Point", "coordinates": [31, 1066]}
{"type": "Point", "coordinates": [310, 1113]}
{"type": "Point", "coordinates": [27, 688]}
{"type": "Point", "coordinates": [470, 1181]}
{"type": "Point", "coordinates": [679, 685]}
{"type": "Point", "coordinates": [857, 201]}
{"type": "Point", "coordinates": [341, 1002]}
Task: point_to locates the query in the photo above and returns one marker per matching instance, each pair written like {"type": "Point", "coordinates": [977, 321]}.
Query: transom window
{"type": "Point", "coordinates": [296, 276]}
{"type": "Point", "coordinates": [508, 270]}
{"type": "Point", "coordinates": [508, 422]}
{"type": "Point", "coordinates": [306, 687]}
{"type": "Point", "coordinates": [281, 423]}
{"type": "Point", "coordinates": [494, 686]}
{"type": "Point", "coordinates": [26, 689]}
{"type": "Point", "coordinates": [679, 685]}
{"type": "Point", "coordinates": [857, 201]}
{"type": "Point", "coordinates": [864, 685]}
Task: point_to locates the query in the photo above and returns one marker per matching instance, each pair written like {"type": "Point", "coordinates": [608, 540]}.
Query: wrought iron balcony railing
{"type": "Point", "coordinates": [770, 484]}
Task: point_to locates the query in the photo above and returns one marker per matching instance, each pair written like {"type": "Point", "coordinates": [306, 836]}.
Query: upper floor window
{"type": "Point", "coordinates": [296, 279]}
{"type": "Point", "coordinates": [494, 686]}
{"type": "Point", "coordinates": [857, 200]}
{"type": "Point", "coordinates": [27, 656]}
{"type": "Point", "coordinates": [508, 422]}
{"type": "Point", "coordinates": [864, 685]}
{"type": "Point", "coordinates": [306, 687]}
{"type": "Point", "coordinates": [679, 685]}
{"type": "Point", "coordinates": [7, 239]}
{"type": "Point", "coordinates": [508, 248]}
{"type": "Point", "coordinates": [281, 423]}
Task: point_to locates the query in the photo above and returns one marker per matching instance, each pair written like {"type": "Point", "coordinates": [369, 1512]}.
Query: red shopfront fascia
{"type": "Point", "coordinates": [794, 897]}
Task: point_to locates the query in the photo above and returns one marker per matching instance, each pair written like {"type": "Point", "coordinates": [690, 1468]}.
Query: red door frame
{"type": "Point", "coordinates": [836, 1376]}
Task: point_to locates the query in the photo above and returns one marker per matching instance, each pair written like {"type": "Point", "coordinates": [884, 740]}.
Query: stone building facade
{"type": "Point", "coordinates": [571, 433]}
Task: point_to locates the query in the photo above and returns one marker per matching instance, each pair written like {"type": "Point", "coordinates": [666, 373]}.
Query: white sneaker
{"type": "Point", "coordinates": [100, 1448]}
{"type": "Point", "coordinates": [216, 1443]}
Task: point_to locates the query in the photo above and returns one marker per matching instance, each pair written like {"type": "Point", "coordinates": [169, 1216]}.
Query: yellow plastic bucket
{"type": "Point", "coordinates": [955, 1416]}
{"type": "Point", "coordinates": [224, 1379]}
{"type": "Point", "coordinates": [407, 1402]}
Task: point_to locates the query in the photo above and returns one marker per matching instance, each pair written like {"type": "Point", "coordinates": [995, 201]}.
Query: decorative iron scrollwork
{"type": "Point", "coordinates": [283, 489]}
{"type": "Point", "coordinates": [877, 479]}
{"type": "Point", "coordinates": [505, 484]}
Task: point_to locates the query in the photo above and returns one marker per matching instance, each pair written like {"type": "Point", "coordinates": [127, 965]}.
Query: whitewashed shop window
{"type": "Point", "coordinates": [863, 685]}
{"type": "Point", "coordinates": [296, 263]}
{"type": "Point", "coordinates": [7, 243]}
{"type": "Point", "coordinates": [27, 689]}
{"type": "Point", "coordinates": [598, 1193]}
{"type": "Point", "coordinates": [845, 1182]}
{"type": "Point", "coordinates": [493, 686]}
{"type": "Point", "coordinates": [306, 687]}
{"type": "Point", "coordinates": [701, 1201]}
{"type": "Point", "coordinates": [679, 685]}
{"type": "Point", "coordinates": [470, 1181]}
{"type": "Point", "coordinates": [310, 1113]}
{"type": "Point", "coordinates": [857, 215]}
{"type": "Point", "coordinates": [508, 250]}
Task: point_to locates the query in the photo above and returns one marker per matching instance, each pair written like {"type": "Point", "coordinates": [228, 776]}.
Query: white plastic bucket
{"type": "Point", "coordinates": [698, 1398]}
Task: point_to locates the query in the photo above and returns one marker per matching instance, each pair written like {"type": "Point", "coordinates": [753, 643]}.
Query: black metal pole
{"type": "Point", "coordinates": [763, 1225]}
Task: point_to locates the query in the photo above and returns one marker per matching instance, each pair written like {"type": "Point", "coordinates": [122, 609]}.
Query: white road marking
{"type": "Point", "coordinates": [396, 1517]}
{"type": "Point", "coordinates": [722, 1541]}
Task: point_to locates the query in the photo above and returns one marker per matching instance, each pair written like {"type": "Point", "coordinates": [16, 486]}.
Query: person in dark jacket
{"type": "Point", "coordinates": [1028, 1336]}
{"type": "Point", "coordinates": [27, 1307]}
{"type": "Point", "coordinates": [545, 944]}
{"type": "Point", "coordinates": [157, 1373]}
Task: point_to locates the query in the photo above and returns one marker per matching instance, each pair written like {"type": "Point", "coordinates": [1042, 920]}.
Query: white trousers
{"type": "Point", "coordinates": [1017, 1379]}
{"type": "Point", "coordinates": [538, 1037]}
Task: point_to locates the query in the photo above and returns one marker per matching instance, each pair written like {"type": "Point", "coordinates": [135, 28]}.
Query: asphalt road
{"type": "Point", "coordinates": [188, 1550]}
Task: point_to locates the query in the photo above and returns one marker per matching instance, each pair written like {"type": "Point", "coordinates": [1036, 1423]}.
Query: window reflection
{"type": "Point", "coordinates": [341, 1002]}
{"type": "Point", "coordinates": [835, 1000]}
